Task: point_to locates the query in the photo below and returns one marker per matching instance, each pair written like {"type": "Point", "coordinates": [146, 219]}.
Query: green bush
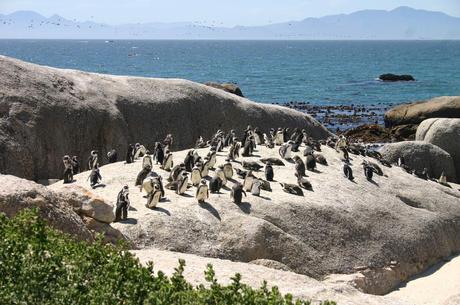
{"type": "Point", "coordinates": [39, 265]}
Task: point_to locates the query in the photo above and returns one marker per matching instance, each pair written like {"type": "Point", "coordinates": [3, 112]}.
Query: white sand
{"type": "Point", "coordinates": [433, 287]}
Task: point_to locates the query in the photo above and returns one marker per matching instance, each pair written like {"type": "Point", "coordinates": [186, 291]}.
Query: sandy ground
{"type": "Point", "coordinates": [434, 286]}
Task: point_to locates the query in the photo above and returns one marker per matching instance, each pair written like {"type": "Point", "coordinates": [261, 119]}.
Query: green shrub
{"type": "Point", "coordinates": [39, 265]}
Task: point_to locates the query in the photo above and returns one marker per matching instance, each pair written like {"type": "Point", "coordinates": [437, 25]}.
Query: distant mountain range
{"type": "Point", "coordinates": [403, 23]}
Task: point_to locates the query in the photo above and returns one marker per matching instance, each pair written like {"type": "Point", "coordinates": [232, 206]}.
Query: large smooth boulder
{"type": "Point", "coordinates": [444, 133]}
{"type": "Point", "coordinates": [86, 203]}
{"type": "Point", "coordinates": [398, 224]}
{"type": "Point", "coordinates": [419, 155]}
{"type": "Point", "coordinates": [415, 113]}
{"type": "Point", "coordinates": [17, 194]}
{"type": "Point", "coordinates": [46, 113]}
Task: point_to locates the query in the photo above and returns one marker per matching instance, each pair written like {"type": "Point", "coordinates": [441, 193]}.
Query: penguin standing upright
{"type": "Point", "coordinates": [299, 166]}
{"type": "Point", "coordinates": [68, 169]}
{"type": "Point", "coordinates": [268, 141]}
{"type": "Point", "coordinates": [147, 160]}
{"type": "Point", "coordinates": [237, 193]}
{"type": "Point", "coordinates": [189, 161]}
{"type": "Point", "coordinates": [182, 183]}
{"type": "Point", "coordinates": [310, 162]}
{"type": "Point", "coordinates": [196, 175]}
{"type": "Point", "coordinates": [168, 161]}
{"type": "Point", "coordinates": [212, 158]}
{"type": "Point", "coordinates": [112, 156]}
{"type": "Point", "coordinates": [75, 165]}
{"type": "Point", "coordinates": [368, 171]}
{"type": "Point", "coordinates": [175, 173]}
{"type": "Point", "coordinates": [153, 197]}
{"type": "Point", "coordinates": [215, 185]}
{"type": "Point", "coordinates": [94, 176]}
{"type": "Point", "coordinates": [123, 203]}
{"type": "Point", "coordinates": [269, 171]}
{"type": "Point", "coordinates": [142, 175]}
{"type": "Point", "coordinates": [93, 160]}
{"type": "Point", "coordinates": [228, 170]}
{"type": "Point", "coordinates": [158, 153]}
{"type": "Point", "coordinates": [279, 137]}
{"type": "Point", "coordinates": [205, 169]}
{"type": "Point", "coordinates": [220, 173]}
{"type": "Point", "coordinates": [202, 192]}
{"type": "Point", "coordinates": [248, 181]}
{"type": "Point", "coordinates": [256, 186]}
{"type": "Point", "coordinates": [348, 172]}
{"type": "Point", "coordinates": [130, 154]}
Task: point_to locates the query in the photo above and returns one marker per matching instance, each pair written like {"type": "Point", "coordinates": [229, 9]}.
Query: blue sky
{"type": "Point", "coordinates": [212, 12]}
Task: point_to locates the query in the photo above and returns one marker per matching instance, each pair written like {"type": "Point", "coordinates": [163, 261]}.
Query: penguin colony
{"type": "Point", "coordinates": [206, 177]}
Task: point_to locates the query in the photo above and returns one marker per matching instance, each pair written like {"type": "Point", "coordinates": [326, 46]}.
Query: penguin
{"type": "Point", "coordinates": [158, 153]}
{"type": "Point", "coordinates": [182, 183]}
{"type": "Point", "coordinates": [299, 166]}
{"type": "Point", "coordinates": [422, 175]}
{"type": "Point", "coordinates": [285, 150]}
{"type": "Point", "coordinates": [140, 151]}
{"type": "Point", "coordinates": [265, 185]}
{"type": "Point", "coordinates": [348, 172]}
{"type": "Point", "coordinates": [377, 169]}
{"type": "Point", "coordinates": [200, 143]}
{"type": "Point", "coordinates": [303, 182]}
{"type": "Point", "coordinates": [228, 170]}
{"type": "Point", "coordinates": [273, 161]}
{"type": "Point", "coordinates": [68, 169]}
{"type": "Point", "coordinates": [94, 176]}
{"type": "Point", "coordinates": [205, 169]}
{"type": "Point", "coordinates": [256, 186]}
{"type": "Point", "coordinates": [220, 173]}
{"type": "Point", "coordinates": [237, 193]}
{"type": "Point", "coordinates": [368, 170]}
{"type": "Point", "coordinates": [149, 183]}
{"type": "Point", "coordinates": [269, 171]}
{"type": "Point", "coordinates": [241, 173]}
{"type": "Point", "coordinates": [248, 181]}
{"type": "Point", "coordinates": [176, 172]}
{"type": "Point", "coordinates": [112, 156]}
{"type": "Point", "coordinates": [75, 165]}
{"type": "Point", "coordinates": [147, 160]}
{"type": "Point", "coordinates": [142, 175]}
{"type": "Point", "coordinates": [153, 197]}
{"type": "Point", "coordinates": [320, 159]}
{"type": "Point", "coordinates": [196, 175]}
{"type": "Point", "coordinates": [268, 141]}
{"type": "Point", "coordinates": [279, 137]}
{"type": "Point", "coordinates": [443, 180]}
{"type": "Point", "coordinates": [308, 150]}
{"type": "Point", "coordinates": [215, 185]}
{"type": "Point", "coordinates": [310, 162]}
{"type": "Point", "coordinates": [202, 192]}
{"type": "Point", "coordinates": [189, 161]}
{"type": "Point", "coordinates": [258, 136]}
{"type": "Point", "coordinates": [93, 160]}
{"type": "Point", "coordinates": [130, 154]}
{"type": "Point", "coordinates": [234, 151]}
{"type": "Point", "coordinates": [247, 149]}
{"type": "Point", "coordinates": [251, 165]}
{"type": "Point", "coordinates": [292, 189]}
{"type": "Point", "coordinates": [402, 164]}
{"type": "Point", "coordinates": [212, 158]}
{"type": "Point", "coordinates": [168, 162]}
{"type": "Point", "coordinates": [344, 156]}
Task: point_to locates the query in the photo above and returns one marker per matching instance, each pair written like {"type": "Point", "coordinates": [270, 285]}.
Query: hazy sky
{"type": "Point", "coordinates": [215, 12]}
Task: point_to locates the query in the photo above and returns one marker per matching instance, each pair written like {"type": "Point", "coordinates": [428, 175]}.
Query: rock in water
{"type": "Point", "coordinates": [389, 77]}
{"type": "Point", "coordinates": [47, 113]}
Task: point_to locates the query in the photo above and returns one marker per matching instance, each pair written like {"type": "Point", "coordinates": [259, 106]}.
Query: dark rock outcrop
{"type": "Point", "coordinates": [46, 113]}
{"type": "Point", "coordinates": [389, 77]}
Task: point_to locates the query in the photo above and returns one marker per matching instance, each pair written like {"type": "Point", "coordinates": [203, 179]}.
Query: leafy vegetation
{"type": "Point", "coordinates": [39, 265]}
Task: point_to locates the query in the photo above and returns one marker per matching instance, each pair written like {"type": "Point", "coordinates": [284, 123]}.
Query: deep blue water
{"type": "Point", "coordinates": [320, 72]}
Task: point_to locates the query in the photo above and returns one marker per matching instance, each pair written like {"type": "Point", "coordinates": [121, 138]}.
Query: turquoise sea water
{"type": "Point", "coordinates": [319, 72]}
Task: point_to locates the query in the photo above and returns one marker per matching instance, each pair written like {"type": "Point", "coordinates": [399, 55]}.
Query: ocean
{"type": "Point", "coordinates": [315, 72]}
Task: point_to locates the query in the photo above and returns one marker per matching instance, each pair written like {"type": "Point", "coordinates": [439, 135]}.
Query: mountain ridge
{"type": "Point", "coordinates": [401, 23]}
